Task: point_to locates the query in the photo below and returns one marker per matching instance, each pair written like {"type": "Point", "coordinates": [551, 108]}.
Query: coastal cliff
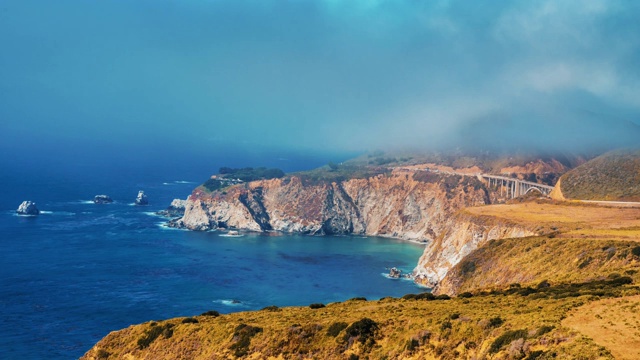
{"type": "Point", "coordinates": [405, 204]}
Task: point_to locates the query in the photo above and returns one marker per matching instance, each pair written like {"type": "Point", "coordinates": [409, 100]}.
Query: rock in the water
{"type": "Point", "coordinates": [141, 199]}
{"type": "Point", "coordinates": [102, 199]}
{"type": "Point", "coordinates": [28, 208]}
{"type": "Point", "coordinates": [176, 209]}
{"type": "Point", "coordinates": [395, 273]}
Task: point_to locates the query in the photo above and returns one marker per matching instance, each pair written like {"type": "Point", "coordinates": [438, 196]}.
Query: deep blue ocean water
{"type": "Point", "coordinates": [80, 270]}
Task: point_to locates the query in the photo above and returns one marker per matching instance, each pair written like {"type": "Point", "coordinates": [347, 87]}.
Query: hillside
{"type": "Point", "coordinates": [587, 242]}
{"type": "Point", "coordinates": [499, 325]}
{"type": "Point", "coordinates": [614, 176]}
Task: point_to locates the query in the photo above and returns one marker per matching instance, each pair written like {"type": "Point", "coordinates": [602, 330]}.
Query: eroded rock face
{"type": "Point", "coordinates": [394, 205]}
{"type": "Point", "coordinates": [102, 199]}
{"type": "Point", "coordinates": [141, 199]}
{"type": "Point", "coordinates": [28, 208]}
{"type": "Point", "coordinates": [176, 209]}
{"type": "Point", "coordinates": [464, 234]}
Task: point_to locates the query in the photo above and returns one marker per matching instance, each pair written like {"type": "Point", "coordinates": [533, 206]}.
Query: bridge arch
{"type": "Point", "coordinates": [534, 188]}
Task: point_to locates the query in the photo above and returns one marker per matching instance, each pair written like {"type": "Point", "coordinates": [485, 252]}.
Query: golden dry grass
{"type": "Point", "coordinates": [565, 217]}
{"type": "Point", "coordinates": [459, 328]}
{"type": "Point", "coordinates": [612, 323]}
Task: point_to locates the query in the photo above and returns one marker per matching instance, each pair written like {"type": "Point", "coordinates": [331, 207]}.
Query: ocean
{"type": "Point", "coordinates": [80, 270]}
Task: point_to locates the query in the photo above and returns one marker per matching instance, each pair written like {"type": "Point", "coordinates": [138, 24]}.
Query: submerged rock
{"type": "Point", "coordinates": [102, 199]}
{"type": "Point", "coordinates": [176, 209]}
{"type": "Point", "coordinates": [142, 199]}
{"type": "Point", "coordinates": [28, 208]}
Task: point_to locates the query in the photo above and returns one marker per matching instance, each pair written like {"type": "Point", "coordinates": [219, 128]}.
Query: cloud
{"type": "Point", "coordinates": [348, 75]}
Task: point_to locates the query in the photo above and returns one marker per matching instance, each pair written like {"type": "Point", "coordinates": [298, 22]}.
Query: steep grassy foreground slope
{"type": "Point", "coordinates": [500, 325]}
{"type": "Point", "coordinates": [612, 176]}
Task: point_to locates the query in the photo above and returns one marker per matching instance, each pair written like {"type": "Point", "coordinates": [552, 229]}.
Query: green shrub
{"type": "Point", "coordinates": [544, 329]}
{"type": "Point", "coordinates": [358, 299]}
{"type": "Point", "coordinates": [496, 322]}
{"type": "Point", "coordinates": [153, 333]}
{"type": "Point", "coordinates": [213, 184]}
{"type": "Point", "coordinates": [189, 320]}
{"type": "Point", "coordinates": [316, 306]}
{"type": "Point", "coordinates": [425, 296]}
{"type": "Point", "coordinates": [363, 330]}
{"type": "Point", "coordinates": [102, 354]}
{"type": "Point", "coordinates": [454, 316]}
{"type": "Point", "coordinates": [636, 251]}
{"type": "Point", "coordinates": [271, 308]}
{"type": "Point", "coordinates": [211, 313]}
{"type": "Point", "coordinates": [445, 325]}
{"type": "Point", "coordinates": [443, 297]}
{"type": "Point", "coordinates": [335, 328]}
{"type": "Point", "coordinates": [535, 355]}
{"type": "Point", "coordinates": [242, 336]}
{"type": "Point", "coordinates": [506, 339]}
{"type": "Point", "coordinates": [412, 344]}
{"type": "Point", "coordinates": [465, 294]}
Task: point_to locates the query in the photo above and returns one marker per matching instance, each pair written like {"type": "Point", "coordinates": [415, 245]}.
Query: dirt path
{"type": "Point", "coordinates": [612, 323]}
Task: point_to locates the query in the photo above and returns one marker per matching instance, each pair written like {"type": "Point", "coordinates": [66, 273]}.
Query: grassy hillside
{"type": "Point", "coordinates": [500, 325]}
{"type": "Point", "coordinates": [612, 176]}
{"type": "Point", "coordinates": [582, 243]}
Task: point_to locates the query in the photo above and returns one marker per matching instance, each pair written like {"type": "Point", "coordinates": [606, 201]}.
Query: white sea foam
{"type": "Point", "coordinates": [164, 226]}
{"type": "Point", "coordinates": [400, 278]}
{"type": "Point", "coordinates": [229, 302]}
{"type": "Point", "coordinates": [46, 212]}
{"type": "Point", "coordinates": [152, 213]}
{"type": "Point", "coordinates": [227, 235]}
{"type": "Point", "coordinates": [166, 183]}
{"type": "Point", "coordinates": [183, 182]}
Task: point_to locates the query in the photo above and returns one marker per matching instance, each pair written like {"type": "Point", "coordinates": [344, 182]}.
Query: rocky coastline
{"type": "Point", "coordinates": [397, 205]}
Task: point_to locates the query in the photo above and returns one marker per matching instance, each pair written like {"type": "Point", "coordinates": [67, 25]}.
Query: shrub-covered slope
{"type": "Point", "coordinates": [501, 325]}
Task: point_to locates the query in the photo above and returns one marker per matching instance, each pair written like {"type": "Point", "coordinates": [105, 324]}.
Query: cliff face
{"type": "Point", "coordinates": [465, 234]}
{"type": "Point", "coordinates": [398, 205]}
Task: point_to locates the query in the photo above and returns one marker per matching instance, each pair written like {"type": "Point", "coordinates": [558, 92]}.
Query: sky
{"type": "Point", "coordinates": [341, 76]}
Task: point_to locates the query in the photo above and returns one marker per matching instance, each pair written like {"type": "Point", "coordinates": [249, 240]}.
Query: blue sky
{"type": "Point", "coordinates": [310, 75]}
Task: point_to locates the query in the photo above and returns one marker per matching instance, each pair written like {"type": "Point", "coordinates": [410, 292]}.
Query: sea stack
{"type": "Point", "coordinates": [102, 199]}
{"type": "Point", "coordinates": [28, 208]}
{"type": "Point", "coordinates": [141, 199]}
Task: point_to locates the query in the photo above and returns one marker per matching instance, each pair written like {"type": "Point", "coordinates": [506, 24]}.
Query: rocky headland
{"type": "Point", "coordinates": [404, 203]}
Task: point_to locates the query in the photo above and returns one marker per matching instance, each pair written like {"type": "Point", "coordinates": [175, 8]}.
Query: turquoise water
{"type": "Point", "coordinates": [80, 270]}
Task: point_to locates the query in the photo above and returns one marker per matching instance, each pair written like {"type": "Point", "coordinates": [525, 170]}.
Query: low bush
{"type": "Point", "coordinates": [153, 333]}
{"type": "Point", "coordinates": [362, 330]}
{"type": "Point", "coordinates": [189, 320]}
{"type": "Point", "coordinates": [496, 322]}
{"type": "Point", "coordinates": [443, 297]}
{"type": "Point", "coordinates": [506, 339]}
{"type": "Point", "coordinates": [316, 306]}
{"type": "Point", "coordinates": [358, 299]}
{"type": "Point", "coordinates": [335, 328]}
{"type": "Point", "coordinates": [271, 308]}
{"type": "Point", "coordinates": [636, 251]}
{"type": "Point", "coordinates": [465, 294]}
{"type": "Point", "coordinates": [211, 313]}
{"type": "Point", "coordinates": [242, 336]}
{"type": "Point", "coordinates": [544, 329]}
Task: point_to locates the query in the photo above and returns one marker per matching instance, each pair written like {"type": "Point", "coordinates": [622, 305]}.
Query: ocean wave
{"type": "Point", "coordinates": [166, 183]}
{"type": "Point", "coordinates": [184, 182]}
{"type": "Point", "coordinates": [400, 278]}
{"type": "Point", "coordinates": [163, 225]}
{"type": "Point", "coordinates": [152, 213]}
{"type": "Point", "coordinates": [227, 235]}
{"type": "Point", "coordinates": [230, 302]}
